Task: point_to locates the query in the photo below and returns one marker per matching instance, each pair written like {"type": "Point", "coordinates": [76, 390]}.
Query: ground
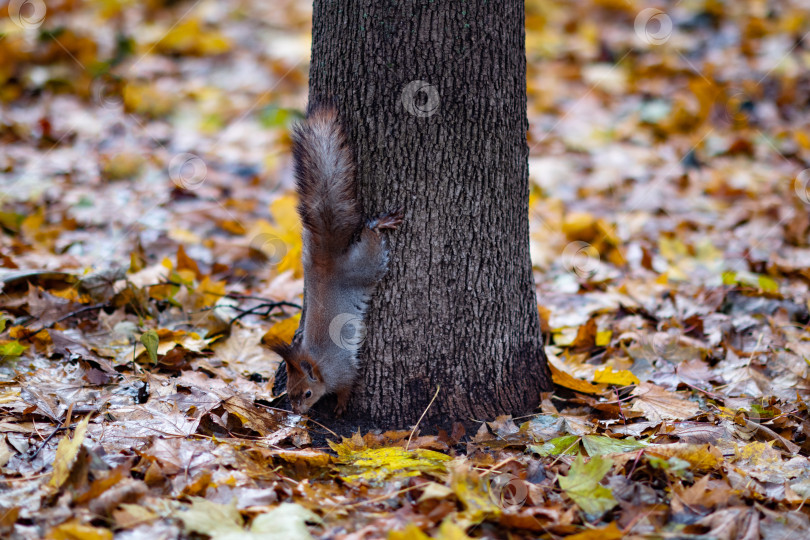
{"type": "Point", "coordinates": [150, 243]}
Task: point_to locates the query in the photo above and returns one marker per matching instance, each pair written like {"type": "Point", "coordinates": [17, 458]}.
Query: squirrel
{"type": "Point", "coordinates": [344, 257]}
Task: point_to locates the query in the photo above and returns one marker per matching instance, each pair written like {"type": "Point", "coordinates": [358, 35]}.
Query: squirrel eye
{"type": "Point", "coordinates": [308, 394]}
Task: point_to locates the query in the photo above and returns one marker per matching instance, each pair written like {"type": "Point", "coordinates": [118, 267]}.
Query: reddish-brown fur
{"type": "Point", "coordinates": [343, 257]}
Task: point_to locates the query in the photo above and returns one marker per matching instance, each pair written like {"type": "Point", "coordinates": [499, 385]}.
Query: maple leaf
{"type": "Point", "coordinates": [582, 485]}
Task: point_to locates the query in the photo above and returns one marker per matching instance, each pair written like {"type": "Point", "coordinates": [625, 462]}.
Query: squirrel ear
{"type": "Point", "coordinates": [310, 369]}
{"type": "Point", "coordinates": [280, 348]}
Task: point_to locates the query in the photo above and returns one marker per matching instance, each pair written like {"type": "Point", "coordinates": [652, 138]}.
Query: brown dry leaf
{"type": "Point", "coordinates": [129, 516]}
{"type": "Point", "coordinates": [244, 352]}
{"type": "Point", "coordinates": [707, 492]}
{"type": "Point", "coordinates": [658, 404]}
{"type": "Point", "coordinates": [739, 523]}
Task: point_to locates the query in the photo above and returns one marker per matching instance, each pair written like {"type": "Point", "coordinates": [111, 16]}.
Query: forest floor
{"type": "Point", "coordinates": [149, 243]}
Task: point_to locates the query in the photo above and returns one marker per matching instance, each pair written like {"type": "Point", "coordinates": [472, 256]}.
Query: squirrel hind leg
{"type": "Point", "coordinates": [390, 221]}
{"type": "Point", "coordinates": [367, 259]}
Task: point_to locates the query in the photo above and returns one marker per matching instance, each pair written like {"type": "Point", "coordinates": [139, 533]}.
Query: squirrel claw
{"type": "Point", "coordinates": [389, 220]}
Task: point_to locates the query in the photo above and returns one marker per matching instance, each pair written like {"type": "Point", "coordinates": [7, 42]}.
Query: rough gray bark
{"type": "Point", "coordinates": [433, 96]}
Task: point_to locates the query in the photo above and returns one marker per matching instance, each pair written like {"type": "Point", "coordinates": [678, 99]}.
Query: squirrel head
{"type": "Point", "coordinates": [305, 385]}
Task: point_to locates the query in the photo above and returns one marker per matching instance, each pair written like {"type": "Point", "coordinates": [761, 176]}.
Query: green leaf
{"type": "Point", "coordinates": [274, 116]}
{"type": "Point", "coordinates": [674, 465]}
{"type": "Point", "coordinates": [767, 284]}
{"type": "Point", "coordinates": [599, 445]}
{"type": "Point", "coordinates": [151, 341]}
{"type": "Point", "coordinates": [582, 485]}
{"type": "Point", "coordinates": [11, 348]}
{"type": "Point", "coordinates": [11, 221]}
{"type": "Point", "coordinates": [566, 445]}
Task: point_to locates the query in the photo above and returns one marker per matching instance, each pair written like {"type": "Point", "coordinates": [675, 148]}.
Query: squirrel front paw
{"type": "Point", "coordinates": [342, 400]}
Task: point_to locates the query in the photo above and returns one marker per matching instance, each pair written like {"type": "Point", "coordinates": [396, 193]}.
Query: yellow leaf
{"type": "Point", "coordinates": [611, 532]}
{"type": "Point", "coordinates": [672, 249]}
{"type": "Point", "coordinates": [603, 338]}
{"type": "Point", "coordinates": [184, 262]}
{"type": "Point", "coordinates": [411, 532]}
{"type": "Point", "coordinates": [282, 330]}
{"type": "Point", "coordinates": [382, 464]}
{"type": "Point", "coordinates": [579, 226]}
{"type": "Point", "coordinates": [210, 291]}
{"type": "Point", "coordinates": [569, 381]}
{"type": "Point", "coordinates": [621, 377]}
{"type": "Point", "coordinates": [303, 456]}
{"type": "Point", "coordinates": [70, 293]}
{"type": "Point", "coordinates": [475, 494]}
{"type": "Point", "coordinates": [66, 453]}
{"type": "Point", "coordinates": [192, 38]}
{"type": "Point", "coordinates": [700, 456]}
{"type": "Point", "coordinates": [280, 243]}
{"type": "Point", "coordinates": [147, 99]}
{"type": "Point", "coordinates": [285, 213]}
{"type": "Point", "coordinates": [450, 531]}
{"type": "Point", "coordinates": [31, 225]}
{"type": "Point", "coordinates": [73, 530]}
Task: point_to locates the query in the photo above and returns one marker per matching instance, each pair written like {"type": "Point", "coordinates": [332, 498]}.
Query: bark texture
{"type": "Point", "coordinates": [433, 97]}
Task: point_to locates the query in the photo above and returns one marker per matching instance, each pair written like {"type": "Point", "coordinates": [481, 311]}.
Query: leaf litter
{"type": "Point", "coordinates": [150, 247]}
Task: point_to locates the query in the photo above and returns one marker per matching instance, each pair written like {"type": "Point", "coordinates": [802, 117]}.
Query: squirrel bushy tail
{"type": "Point", "coordinates": [325, 177]}
{"type": "Point", "coordinates": [344, 259]}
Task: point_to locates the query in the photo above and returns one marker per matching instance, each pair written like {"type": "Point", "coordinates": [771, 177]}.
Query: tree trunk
{"type": "Point", "coordinates": [433, 97]}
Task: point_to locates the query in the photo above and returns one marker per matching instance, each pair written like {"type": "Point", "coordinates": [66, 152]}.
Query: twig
{"type": "Point", "coordinates": [48, 438]}
{"type": "Point", "coordinates": [618, 400]}
{"type": "Point", "coordinates": [384, 497]}
{"type": "Point", "coordinates": [77, 312]}
{"type": "Point", "coordinates": [324, 427]}
{"type": "Point", "coordinates": [499, 465]}
{"type": "Point", "coordinates": [235, 296]}
{"type": "Point", "coordinates": [267, 306]}
{"type": "Point", "coordinates": [423, 415]}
